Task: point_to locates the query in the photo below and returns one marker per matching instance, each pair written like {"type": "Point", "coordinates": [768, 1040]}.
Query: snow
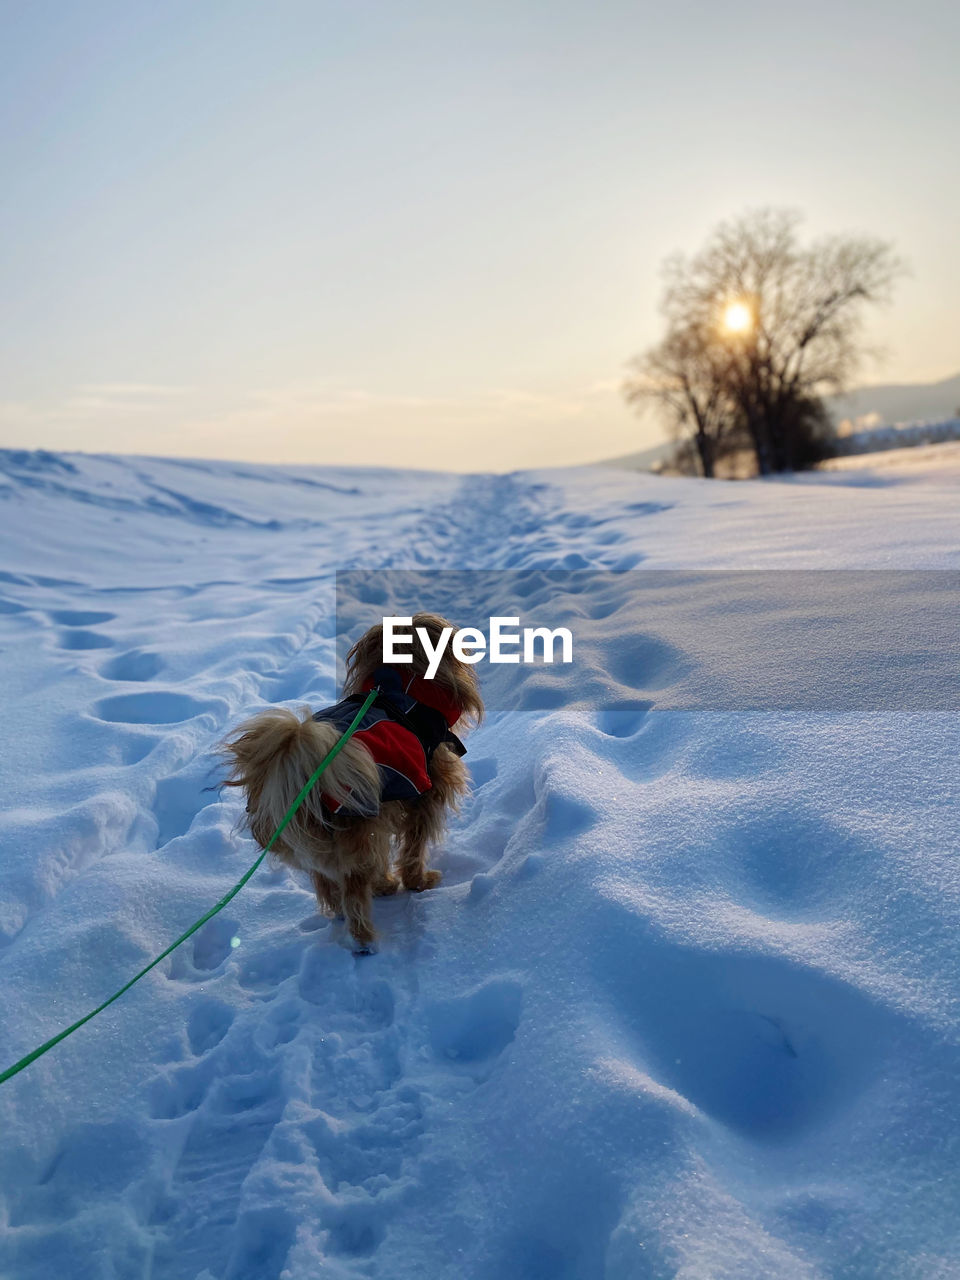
{"type": "Point", "coordinates": [685, 1004]}
{"type": "Point", "coordinates": [934, 462]}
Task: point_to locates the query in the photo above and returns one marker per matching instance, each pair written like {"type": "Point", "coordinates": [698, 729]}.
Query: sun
{"type": "Point", "coordinates": [737, 317]}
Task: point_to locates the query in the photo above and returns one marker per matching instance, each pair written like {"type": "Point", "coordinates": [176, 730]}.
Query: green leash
{"type": "Point", "coordinates": [334, 750]}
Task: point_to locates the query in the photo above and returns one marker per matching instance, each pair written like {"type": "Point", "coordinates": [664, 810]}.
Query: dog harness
{"type": "Point", "coordinates": [409, 719]}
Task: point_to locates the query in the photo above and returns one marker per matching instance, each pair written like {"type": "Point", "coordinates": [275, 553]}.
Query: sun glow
{"type": "Point", "coordinates": [737, 317]}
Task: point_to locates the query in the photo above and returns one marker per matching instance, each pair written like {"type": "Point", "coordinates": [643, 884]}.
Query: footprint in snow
{"type": "Point", "coordinates": [565, 818]}
{"type": "Point", "coordinates": [92, 1165]}
{"type": "Point", "coordinates": [471, 1031]}
{"type": "Point", "coordinates": [623, 720]}
{"type": "Point", "coordinates": [77, 639]}
{"type": "Point", "coordinates": [162, 706]}
{"type": "Point", "coordinates": [763, 1045]}
{"type": "Point", "coordinates": [263, 970]}
{"type": "Point", "coordinates": [328, 978]}
{"type": "Point", "coordinates": [80, 617]}
{"type": "Point", "coordinates": [209, 1022]}
{"type": "Point", "coordinates": [180, 798]}
{"type": "Point", "coordinates": [206, 951]}
{"type": "Point", "coordinates": [648, 508]}
{"type": "Point", "coordinates": [135, 665]}
{"type": "Point", "coordinates": [233, 1119]}
{"type": "Point", "coordinates": [282, 1023]}
{"type": "Point", "coordinates": [483, 771]}
{"type": "Point", "coordinates": [639, 661]}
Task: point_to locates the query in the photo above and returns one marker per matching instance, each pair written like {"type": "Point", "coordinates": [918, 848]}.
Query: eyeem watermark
{"type": "Point", "coordinates": [471, 645]}
{"type": "Point", "coordinates": [834, 641]}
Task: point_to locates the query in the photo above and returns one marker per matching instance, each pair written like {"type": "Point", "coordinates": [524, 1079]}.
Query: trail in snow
{"type": "Point", "coordinates": [683, 1004]}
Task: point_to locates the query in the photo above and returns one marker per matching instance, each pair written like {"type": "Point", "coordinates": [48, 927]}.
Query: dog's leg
{"type": "Point", "coordinates": [329, 895]}
{"type": "Point", "coordinates": [419, 826]}
{"type": "Point", "coordinates": [387, 884]}
{"type": "Point", "coordinates": [356, 908]}
{"type": "Point", "coordinates": [424, 819]}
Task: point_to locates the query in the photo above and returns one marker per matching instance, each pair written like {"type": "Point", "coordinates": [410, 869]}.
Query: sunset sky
{"type": "Point", "coordinates": [429, 234]}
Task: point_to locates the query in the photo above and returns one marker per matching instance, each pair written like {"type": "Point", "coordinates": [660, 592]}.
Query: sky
{"type": "Point", "coordinates": [430, 234]}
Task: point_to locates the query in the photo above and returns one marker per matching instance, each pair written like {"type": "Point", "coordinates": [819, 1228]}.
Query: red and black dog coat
{"type": "Point", "coordinates": [401, 729]}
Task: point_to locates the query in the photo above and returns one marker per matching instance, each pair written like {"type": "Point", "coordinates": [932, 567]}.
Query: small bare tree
{"type": "Point", "coordinates": [681, 373]}
{"type": "Point", "coordinates": [759, 328]}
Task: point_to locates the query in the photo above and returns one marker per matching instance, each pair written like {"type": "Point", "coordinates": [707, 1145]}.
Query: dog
{"type": "Point", "coordinates": [364, 829]}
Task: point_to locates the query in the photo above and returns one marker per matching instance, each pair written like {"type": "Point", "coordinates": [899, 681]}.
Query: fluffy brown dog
{"type": "Point", "coordinates": [391, 784]}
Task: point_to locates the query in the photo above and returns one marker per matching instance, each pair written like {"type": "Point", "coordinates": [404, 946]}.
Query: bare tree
{"type": "Point", "coordinates": [682, 375]}
{"type": "Point", "coordinates": [759, 328]}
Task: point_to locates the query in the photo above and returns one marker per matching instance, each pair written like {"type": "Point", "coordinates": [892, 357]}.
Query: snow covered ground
{"type": "Point", "coordinates": [684, 1006]}
{"type": "Point", "coordinates": [939, 463]}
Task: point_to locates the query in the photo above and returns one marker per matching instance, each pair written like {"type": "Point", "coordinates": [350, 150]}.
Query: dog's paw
{"type": "Point", "coordinates": [384, 888]}
{"type": "Point", "coordinates": [363, 948]}
{"type": "Point", "coordinates": [429, 880]}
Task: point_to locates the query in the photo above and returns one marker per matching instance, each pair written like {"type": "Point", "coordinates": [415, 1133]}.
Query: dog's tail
{"type": "Point", "coordinates": [273, 754]}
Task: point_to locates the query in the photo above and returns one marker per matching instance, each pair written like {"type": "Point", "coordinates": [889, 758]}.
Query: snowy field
{"type": "Point", "coordinates": [941, 460]}
{"type": "Point", "coordinates": [686, 1004]}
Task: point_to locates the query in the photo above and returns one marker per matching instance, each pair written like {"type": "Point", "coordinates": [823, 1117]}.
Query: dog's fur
{"type": "Point", "coordinates": [350, 858]}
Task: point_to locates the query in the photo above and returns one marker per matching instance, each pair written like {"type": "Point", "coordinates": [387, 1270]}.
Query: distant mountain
{"type": "Point", "coordinates": [892, 403]}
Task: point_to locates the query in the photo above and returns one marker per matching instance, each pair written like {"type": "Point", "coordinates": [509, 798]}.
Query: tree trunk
{"type": "Point", "coordinates": [778, 442]}
{"type": "Point", "coordinates": [761, 450]}
{"type": "Point", "coordinates": [705, 450]}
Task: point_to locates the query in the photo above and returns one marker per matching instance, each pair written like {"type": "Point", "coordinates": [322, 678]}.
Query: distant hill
{"type": "Point", "coordinates": [892, 403]}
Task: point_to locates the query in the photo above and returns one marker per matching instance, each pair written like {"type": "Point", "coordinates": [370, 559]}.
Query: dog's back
{"type": "Point", "coordinates": [274, 753]}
